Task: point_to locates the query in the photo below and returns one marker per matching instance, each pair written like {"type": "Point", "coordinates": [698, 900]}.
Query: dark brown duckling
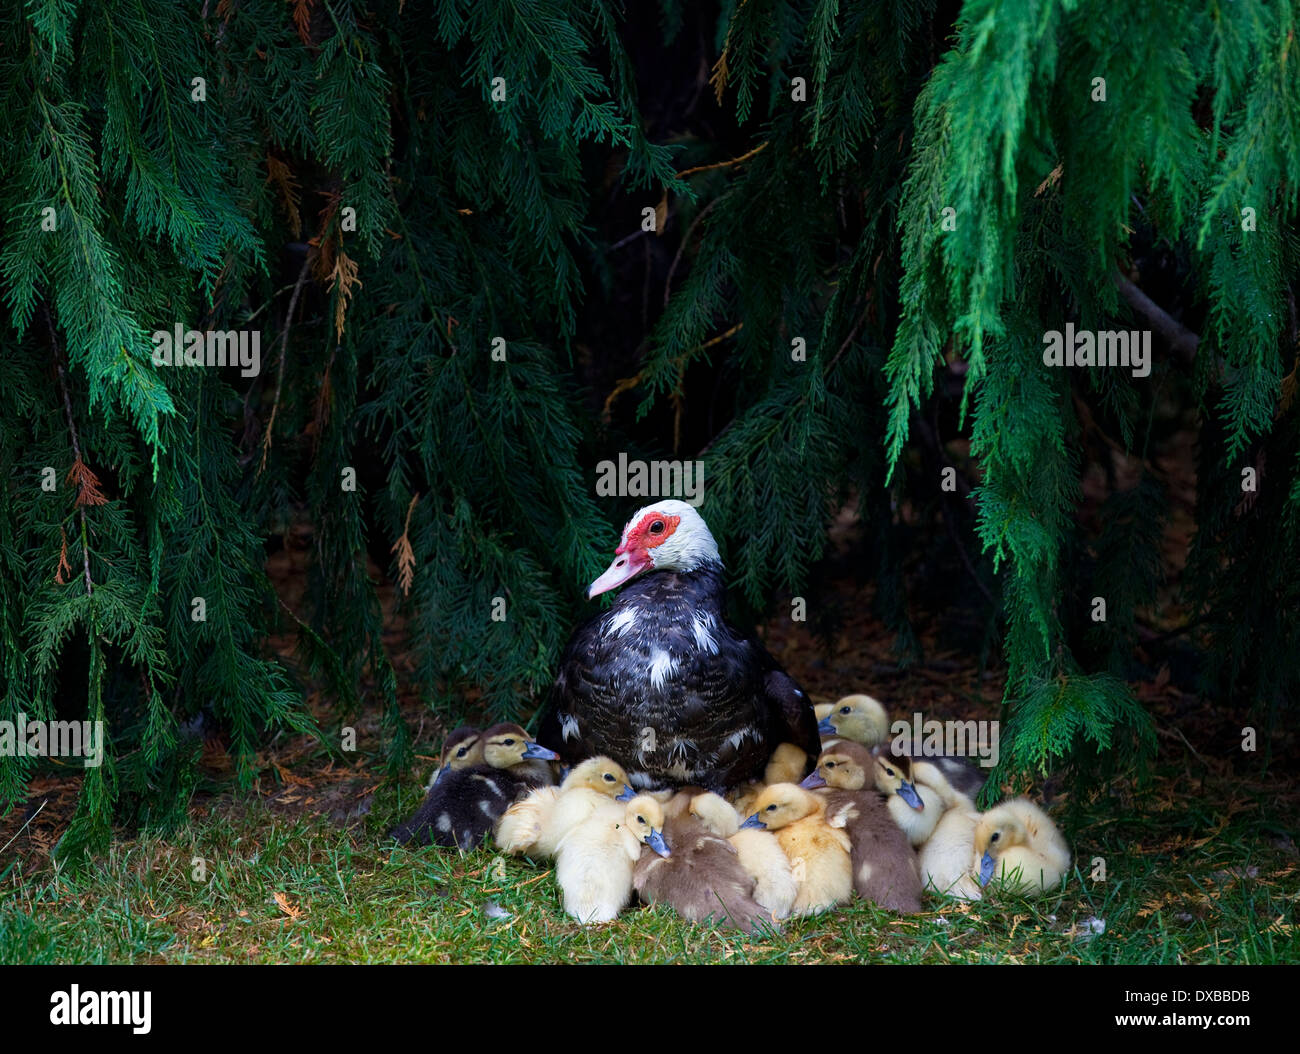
{"type": "Point", "coordinates": [464, 803]}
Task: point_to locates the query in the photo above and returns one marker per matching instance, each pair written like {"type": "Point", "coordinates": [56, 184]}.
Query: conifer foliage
{"type": "Point", "coordinates": [487, 244]}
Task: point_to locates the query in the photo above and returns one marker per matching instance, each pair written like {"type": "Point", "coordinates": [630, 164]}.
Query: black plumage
{"type": "Point", "coordinates": [462, 807]}
{"type": "Point", "coordinates": [463, 804]}
{"type": "Point", "coordinates": [660, 682]}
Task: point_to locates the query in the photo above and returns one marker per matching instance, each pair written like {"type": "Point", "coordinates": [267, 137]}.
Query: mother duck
{"type": "Point", "coordinates": [660, 682]}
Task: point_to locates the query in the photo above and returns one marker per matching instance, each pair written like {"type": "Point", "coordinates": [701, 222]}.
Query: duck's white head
{"type": "Point", "coordinates": [668, 535]}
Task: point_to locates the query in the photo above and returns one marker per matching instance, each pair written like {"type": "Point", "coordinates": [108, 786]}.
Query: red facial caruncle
{"type": "Point", "coordinates": [633, 554]}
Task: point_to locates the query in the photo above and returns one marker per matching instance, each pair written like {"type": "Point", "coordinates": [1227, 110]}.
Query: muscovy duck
{"type": "Point", "coordinates": [660, 682]}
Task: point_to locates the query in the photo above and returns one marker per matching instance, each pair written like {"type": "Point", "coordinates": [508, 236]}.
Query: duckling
{"type": "Point", "coordinates": [465, 803]}
{"type": "Point", "coordinates": [885, 868]}
{"type": "Point", "coordinates": [788, 764]}
{"type": "Point", "coordinates": [702, 877]}
{"type": "Point", "coordinates": [913, 806]}
{"type": "Point", "coordinates": [864, 720]}
{"type": "Point", "coordinates": [857, 717]}
{"type": "Point", "coordinates": [758, 852]}
{"type": "Point", "coordinates": [595, 858]}
{"type": "Point", "coordinates": [946, 854]}
{"type": "Point", "coordinates": [462, 749]}
{"type": "Point", "coordinates": [534, 826]}
{"type": "Point", "coordinates": [1019, 842]}
{"type": "Point", "coordinates": [820, 855]}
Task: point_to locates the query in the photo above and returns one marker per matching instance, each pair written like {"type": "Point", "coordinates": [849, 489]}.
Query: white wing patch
{"type": "Point", "coordinates": [680, 749]}
{"type": "Point", "coordinates": [619, 623]}
{"type": "Point", "coordinates": [701, 625]}
{"type": "Point", "coordinates": [444, 823]}
{"type": "Point", "coordinates": [662, 666]}
{"type": "Point", "coordinates": [737, 738]}
{"type": "Point", "coordinates": [568, 727]}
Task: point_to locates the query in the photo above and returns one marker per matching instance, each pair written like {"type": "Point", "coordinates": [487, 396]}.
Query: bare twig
{"type": "Point", "coordinates": [284, 357]}
{"type": "Point", "coordinates": [1179, 337]}
{"type": "Point", "coordinates": [672, 269]}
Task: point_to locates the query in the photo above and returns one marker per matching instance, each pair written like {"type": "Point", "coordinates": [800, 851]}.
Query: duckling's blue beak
{"type": "Point", "coordinates": [441, 772]}
{"type": "Point", "coordinates": [754, 821]}
{"type": "Point", "coordinates": [825, 728]}
{"type": "Point", "coordinates": [986, 869]}
{"type": "Point", "coordinates": [536, 750]}
{"type": "Point", "coordinates": [812, 781]}
{"type": "Point", "coordinates": [564, 772]}
{"type": "Point", "coordinates": [655, 840]}
{"type": "Point", "coordinates": [626, 794]}
{"type": "Point", "coordinates": [908, 793]}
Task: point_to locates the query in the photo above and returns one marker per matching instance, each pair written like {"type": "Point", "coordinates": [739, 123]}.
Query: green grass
{"type": "Point", "coordinates": [279, 889]}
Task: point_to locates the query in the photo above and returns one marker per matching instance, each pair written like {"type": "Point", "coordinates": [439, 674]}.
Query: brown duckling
{"type": "Point", "coordinates": [757, 850]}
{"type": "Point", "coordinates": [701, 877]}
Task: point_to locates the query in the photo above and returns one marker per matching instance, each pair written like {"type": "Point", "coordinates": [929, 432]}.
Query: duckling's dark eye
{"type": "Point", "coordinates": [889, 772]}
{"type": "Point", "coordinates": [462, 752]}
{"type": "Point", "coordinates": [510, 742]}
{"type": "Point", "coordinates": [641, 819]}
{"type": "Point", "coordinates": [830, 764]}
{"type": "Point", "coordinates": [995, 837]}
{"type": "Point", "coordinates": [846, 709]}
{"type": "Point", "coordinates": [771, 808]}
{"type": "Point", "coordinates": [609, 778]}
{"type": "Point", "coordinates": [657, 527]}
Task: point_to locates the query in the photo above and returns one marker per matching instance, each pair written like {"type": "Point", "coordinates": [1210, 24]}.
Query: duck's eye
{"type": "Point", "coordinates": [641, 819]}
{"type": "Point", "coordinates": [462, 752]}
{"type": "Point", "coordinates": [846, 709]}
{"type": "Point", "coordinates": [657, 527]}
{"type": "Point", "coordinates": [510, 742]}
{"type": "Point", "coordinates": [771, 808]}
{"type": "Point", "coordinates": [996, 835]}
{"type": "Point", "coordinates": [889, 772]}
{"type": "Point", "coordinates": [830, 764]}
{"type": "Point", "coordinates": [609, 778]}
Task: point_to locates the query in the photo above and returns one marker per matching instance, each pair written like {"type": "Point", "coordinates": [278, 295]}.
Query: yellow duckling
{"type": "Point", "coordinates": [596, 857]}
{"type": "Point", "coordinates": [819, 854]}
{"type": "Point", "coordinates": [757, 850]}
{"type": "Point", "coordinates": [946, 854]}
{"type": "Point", "coordinates": [885, 869]}
{"type": "Point", "coordinates": [857, 717]}
{"type": "Point", "coordinates": [787, 764]}
{"type": "Point", "coordinates": [534, 826]}
{"type": "Point", "coordinates": [1017, 844]}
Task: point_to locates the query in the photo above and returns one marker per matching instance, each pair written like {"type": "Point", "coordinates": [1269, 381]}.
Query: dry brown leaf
{"type": "Point", "coordinates": [286, 907]}
{"type": "Point", "coordinates": [282, 176]}
{"type": "Point", "coordinates": [345, 276]}
{"type": "Point", "coordinates": [88, 492]}
{"type": "Point", "coordinates": [405, 555]}
{"type": "Point", "coordinates": [302, 19]}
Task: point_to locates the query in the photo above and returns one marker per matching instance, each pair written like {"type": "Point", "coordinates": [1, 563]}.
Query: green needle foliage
{"type": "Point", "coordinates": [435, 216]}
